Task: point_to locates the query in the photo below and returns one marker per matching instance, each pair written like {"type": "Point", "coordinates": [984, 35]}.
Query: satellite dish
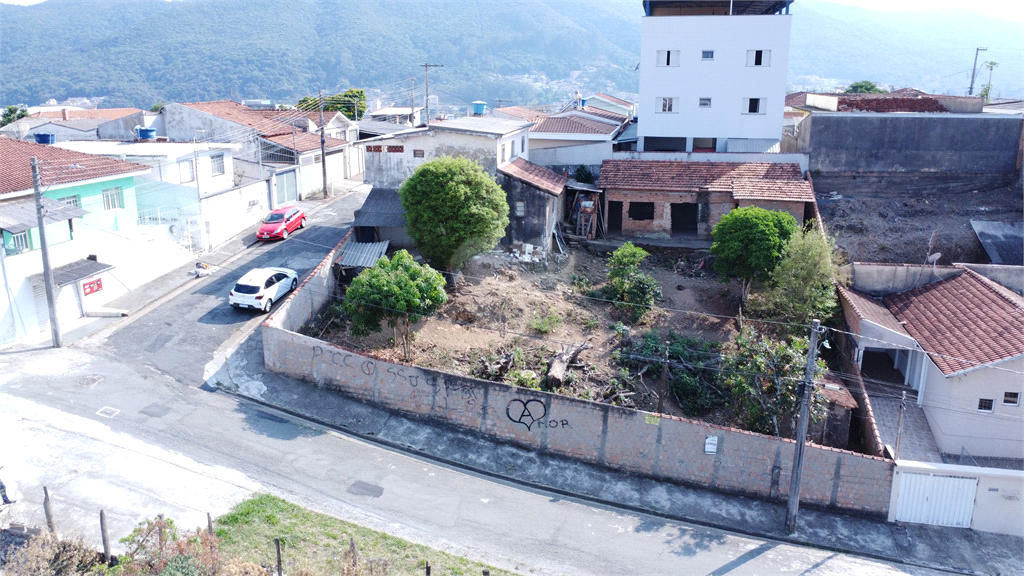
{"type": "Point", "coordinates": [933, 258]}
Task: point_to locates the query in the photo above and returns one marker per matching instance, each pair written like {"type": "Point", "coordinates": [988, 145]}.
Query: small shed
{"type": "Point", "coordinates": [381, 217]}
{"type": "Point", "coordinates": [357, 256]}
{"type": "Point", "coordinates": [834, 431]}
{"type": "Point", "coordinates": [536, 202]}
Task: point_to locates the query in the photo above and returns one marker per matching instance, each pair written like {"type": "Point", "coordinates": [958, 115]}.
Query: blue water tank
{"type": "Point", "coordinates": [583, 102]}
{"type": "Point", "coordinates": [479, 107]}
{"type": "Point", "coordinates": [43, 138]}
{"type": "Point", "coordinates": [147, 133]}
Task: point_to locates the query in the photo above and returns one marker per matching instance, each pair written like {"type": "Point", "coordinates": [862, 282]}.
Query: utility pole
{"type": "Point", "coordinates": [51, 300]}
{"type": "Point", "coordinates": [323, 145]}
{"type": "Point", "coordinates": [426, 78]}
{"type": "Point", "coordinates": [899, 426]}
{"type": "Point", "coordinates": [793, 504]}
{"type": "Point", "coordinates": [974, 70]}
{"type": "Point", "coordinates": [412, 102]}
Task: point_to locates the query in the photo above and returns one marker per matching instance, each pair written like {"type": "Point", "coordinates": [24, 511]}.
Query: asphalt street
{"type": "Point", "coordinates": [123, 423]}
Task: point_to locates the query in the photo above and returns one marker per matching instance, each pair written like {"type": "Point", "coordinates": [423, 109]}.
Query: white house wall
{"type": "Point", "coordinates": [233, 211]}
{"type": "Point", "coordinates": [951, 406]}
{"type": "Point", "coordinates": [726, 79]}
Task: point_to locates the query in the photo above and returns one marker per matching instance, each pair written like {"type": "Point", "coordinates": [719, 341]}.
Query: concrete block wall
{"type": "Point", "coordinates": [620, 438]}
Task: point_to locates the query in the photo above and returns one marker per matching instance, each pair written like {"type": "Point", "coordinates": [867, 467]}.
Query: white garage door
{"type": "Point", "coordinates": [937, 500]}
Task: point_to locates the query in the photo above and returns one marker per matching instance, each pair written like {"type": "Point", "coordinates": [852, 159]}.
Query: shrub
{"type": "Point", "coordinates": [544, 324]}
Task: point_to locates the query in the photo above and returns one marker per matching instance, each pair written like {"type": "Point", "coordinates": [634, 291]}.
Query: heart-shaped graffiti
{"type": "Point", "coordinates": [525, 413]}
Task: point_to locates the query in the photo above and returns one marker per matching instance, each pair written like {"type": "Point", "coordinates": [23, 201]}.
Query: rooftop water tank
{"type": "Point", "coordinates": [479, 107]}
{"type": "Point", "coordinates": [44, 138]}
{"type": "Point", "coordinates": [583, 103]}
{"type": "Point", "coordinates": [147, 133]}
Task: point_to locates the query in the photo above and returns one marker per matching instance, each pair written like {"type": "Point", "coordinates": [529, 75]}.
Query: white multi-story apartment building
{"type": "Point", "coordinates": [712, 75]}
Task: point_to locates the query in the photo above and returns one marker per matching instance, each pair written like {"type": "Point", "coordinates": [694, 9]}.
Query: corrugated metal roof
{"type": "Point", "coordinates": [629, 134]}
{"type": "Point", "coordinates": [362, 254]}
{"type": "Point", "coordinates": [19, 216]}
{"type": "Point", "coordinates": [1003, 241]}
{"type": "Point", "coordinates": [73, 272]}
{"type": "Point", "coordinates": [763, 145]}
{"type": "Point", "coordinates": [382, 207]}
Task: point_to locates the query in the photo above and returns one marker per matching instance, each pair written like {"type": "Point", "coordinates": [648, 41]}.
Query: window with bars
{"type": "Point", "coordinates": [1011, 398]}
{"type": "Point", "coordinates": [70, 201]}
{"type": "Point", "coordinates": [985, 404]}
{"type": "Point", "coordinates": [113, 198]}
{"type": "Point", "coordinates": [20, 242]}
{"type": "Point", "coordinates": [705, 102]}
{"type": "Point", "coordinates": [217, 164]}
{"type": "Point", "coordinates": [417, 153]}
{"type": "Point", "coordinates": [707, 54]}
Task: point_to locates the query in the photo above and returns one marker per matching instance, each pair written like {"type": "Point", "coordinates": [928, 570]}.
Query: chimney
{"type": "Point", "coordinates": [63, 113]}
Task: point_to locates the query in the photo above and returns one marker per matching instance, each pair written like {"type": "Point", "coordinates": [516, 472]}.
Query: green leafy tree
{"type": "Point", "coordinates": [453, 211]}
{"type": "Point", "coordinates": [864, 87]}
{"type": "Point", "coordinates": [351, 103]}
{"type": "Point", "coordinates": [801, 288]}
{"type": "Point", "coordinates": [157, 107]}
{"type": "Point", "coordinates": [635, 291]}
{"type": "Point", "coordinates": [749, 242]}
{"type": "Point", "coordinates": [13, 114]}
{"type": "Point", "coordinates": [584, 175]}
{"type": "Point", "coordinates": [763, 377]}
{"type": "Point", "coordinates": [397, 290]}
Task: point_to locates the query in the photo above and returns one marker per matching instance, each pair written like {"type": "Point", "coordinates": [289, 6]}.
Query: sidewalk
{"type": "Point", "coordinates": [957, 550]}
{"type": "Point", "coordinates": [169, 285]}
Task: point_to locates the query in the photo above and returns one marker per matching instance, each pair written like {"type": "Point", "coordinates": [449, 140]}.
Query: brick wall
{"type": "Point", "coordinates": [794, 208]}
{"type": "Point", "coordinates": [630, 440]}
{"type": "Point", "coordinates": [712, 206]}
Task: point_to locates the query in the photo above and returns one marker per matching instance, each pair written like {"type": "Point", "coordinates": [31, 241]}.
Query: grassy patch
{"type": "Point", "coordinates": [315, 544]}
{"type": "Point", "coordinates": [544, 324]}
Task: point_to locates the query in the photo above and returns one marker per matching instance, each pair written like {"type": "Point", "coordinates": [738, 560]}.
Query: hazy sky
{"type": "Point", "coordinates": [1003, 9]}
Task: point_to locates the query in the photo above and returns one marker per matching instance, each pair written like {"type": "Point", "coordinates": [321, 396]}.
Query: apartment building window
{"type": "Point", "coordinates": [666, 106]}
{"type": "Point", "coordinates": [113, 198]}
{"type": "Point", "coordinates": [70, 201]}
{"type": "Point", "coordinates": [502, 152]}
{"type": "Point", "coordinates": [668, 57]}
{"type": "Point", "coordinates": [985, 404]}
{"type": "Point", "coordinates": [759, 57]}
{"type": "Point", "coordinates": [707, 54]}
{"type": "Point", "coordinates": [1011, 398]}
{"type": "Point", "coordinates": [705, 102]}
{"type": "Point", "coordinates": [20, 242]}
{"type": "Point", "coordinates": [186, 171]}
{"type": "Point", "coordinates": [754, 105]}
{"type": "Point", "coordinates": [217, 164]}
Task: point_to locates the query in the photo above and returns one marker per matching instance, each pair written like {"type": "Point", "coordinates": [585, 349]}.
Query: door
{"type": "Point", "coordinates": [684, 218]}
{"type": "Point", "coordinates": [614, 217]}
{"type": "Point", "coordinates": [936, 499]}
{"type": "Point", "coordinates": [282, 286]}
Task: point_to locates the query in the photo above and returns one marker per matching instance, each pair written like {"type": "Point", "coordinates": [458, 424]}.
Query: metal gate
{"type": "Point", "coordinates": [936, 499]}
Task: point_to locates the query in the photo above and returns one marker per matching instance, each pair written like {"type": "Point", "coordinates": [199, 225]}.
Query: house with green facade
{"type": "Point", "coordinates": [90, 215]}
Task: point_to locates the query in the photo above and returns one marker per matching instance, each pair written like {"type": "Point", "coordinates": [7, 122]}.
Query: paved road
{"type": "Point", "coordinates": [123, 425]}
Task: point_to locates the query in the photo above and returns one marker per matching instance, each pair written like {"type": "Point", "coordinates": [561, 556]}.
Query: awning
{"type": "Point", "coordinates": [73, 272]}
{"type": "Point", "coordinates": [362, 254]}
{"type": "Point", "coordinates": [20, 215]}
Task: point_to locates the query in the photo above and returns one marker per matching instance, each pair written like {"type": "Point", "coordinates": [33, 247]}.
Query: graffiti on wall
{"type": "Point", "coordinates": [531, 413]}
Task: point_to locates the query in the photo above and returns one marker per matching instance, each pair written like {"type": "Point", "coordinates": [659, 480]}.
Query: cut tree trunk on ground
{"type": "Point", "coordinates": [561, 361]}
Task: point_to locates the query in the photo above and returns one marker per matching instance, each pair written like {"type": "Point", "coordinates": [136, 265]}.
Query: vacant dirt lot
{"type": "Point", "coordinates": [897, 225]}
{"type": "Point", "coordinates": [505, 321]}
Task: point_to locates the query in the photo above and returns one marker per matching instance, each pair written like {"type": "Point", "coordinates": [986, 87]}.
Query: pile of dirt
{"type": "Point", "coordinates": [900, 227]}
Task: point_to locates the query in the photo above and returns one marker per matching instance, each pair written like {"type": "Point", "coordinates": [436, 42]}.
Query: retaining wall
{"type": "Point", "coordinates": [620, 438]}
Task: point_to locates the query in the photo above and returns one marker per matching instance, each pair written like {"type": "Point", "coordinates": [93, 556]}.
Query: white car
{"type": "Point", "coordinates": [261, 287]}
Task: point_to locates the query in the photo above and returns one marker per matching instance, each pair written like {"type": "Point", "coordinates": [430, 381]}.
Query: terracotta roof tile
{"type": "Point", "coordinates": [675, 176]}
{"type": "Point", "coordinates": [871, 309]}
{"type": "Point", "coordinates": [618, 118]}
{"type": "Point", "coordinates": [539, 176]}
{"type": "Point", "coordinates": [962, 322]}
{"type": "Point", "coordinates": [832, 387]}
{"type": "Point", "coordinates": [789, 190]}
{"type": "Point", "coordinates": [97, 114]}
{"type": "Point", "coordinates": [613, 99]}
{"type": "Point", "coordinates": [304, 141]}
{"type": "Point", "coordinates": [286, 115]}
{"type": "Point", "coordinates": [235, 112]}
{"type": "Point", "coordinates": [573, 125]}
{"type": "Point", "coordinates": [522, 112]}
{"type": "Point", "coordinates": [55, 165]}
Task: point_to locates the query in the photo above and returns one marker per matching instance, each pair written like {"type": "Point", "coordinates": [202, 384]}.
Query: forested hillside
{"type": "Point", "coordinates": [141, 52]}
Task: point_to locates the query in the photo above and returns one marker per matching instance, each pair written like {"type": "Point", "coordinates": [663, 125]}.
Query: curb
{"type": "Point", "coordinates": [592, 499]}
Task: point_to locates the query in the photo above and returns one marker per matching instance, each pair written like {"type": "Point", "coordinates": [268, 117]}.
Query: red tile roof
{"type": "Point", "coordinates": [871, 309]}
{"type": "Point", "coordinates": [286, 115]}
{"type": "Point", "coordinates": [97, 114]}
{"type": "Point", "coordinates": [539, 176]}
{"type": "Point", "coordinates": [962, 322]}
{"type": "Point", "coordinates": [573, 125]}
{"type": "Point", "coordinates": [304, 141]}
{"type": "Point", "coordinates": [832, 387]}
{"type": "Point", "coordinates": [613, 99]}
{"type": "Point", "coordinates": [523, 112]}
{"type": "Point", "coordinates": [796, 99]}
{"type": "Point", "coordinates": [57, 165]}
{"type": "Point", "coordinates": [239, 114]}
{"type": "Point", "coordinates": [600, 113]}
{"type": "Point", "coordinates": [745, 180]}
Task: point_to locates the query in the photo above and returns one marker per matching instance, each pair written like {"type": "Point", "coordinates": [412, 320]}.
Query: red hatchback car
{"type": "Point", "coordinates": [280, 223]}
